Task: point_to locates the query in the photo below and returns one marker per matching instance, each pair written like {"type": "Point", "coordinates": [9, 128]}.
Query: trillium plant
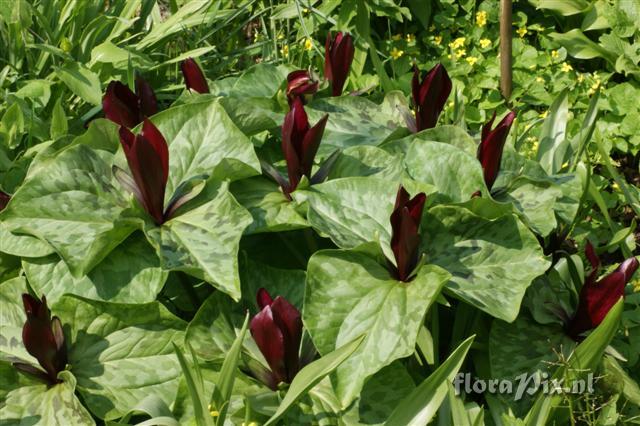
{"type": "Point", "coordinates": [303, 239]}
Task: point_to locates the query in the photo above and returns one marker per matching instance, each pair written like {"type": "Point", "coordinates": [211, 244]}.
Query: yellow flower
{"type": "Point", "coordinates": [457, 43]}
{"type": "Point", "coordinates": [522, 32]}
{"type": "Point", "coordinates": [544, 114]}
{"type": "Point", "coordinates": [396, 37]}
{"type": "Point", "coordinates": [615, 186]}
{"type": "Point", "coordinates": [636, 286]}
{"type": "Point", "coordinates": [471, 60]}
{"type": "Point", "coordinates": [213, 412]}
{"type": "Point", "coordinates": [280, 36]}
{"type": "Point", "coordinates": [554, 54]}
{"type": "Point", "coordinates": [535, 145]}
{"type": "Point", "coordinates": [481, 18]}
{"type": "Point", "coordinates": [257, 37]}
{"type": "Point", "coordinates": [540, 79]}
{"type": "Point", "coordinates": [308, 44]}
{"type": "Point", "coordinates": [485, 42]}
{"type": "Point", "coordinates": [285, 50]}
{"type": "Point", "coordinates": [437, 40]}
{"type": "Point", "coordinates": [395, 53]}
{"type": "Point", "coordinates": [410, 38]}
{"type": "Point", "coordinates": [566, 67]}
{"type": "Point", "coordinates": [565, 165]}
{"type": "Point", "coordinates": [305, 10]}
{"type": "Point", "coordinates": [461, 52]}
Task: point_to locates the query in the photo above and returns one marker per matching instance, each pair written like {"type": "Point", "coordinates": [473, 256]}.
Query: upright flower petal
{"type": "Point", "coordinates": [598, 297]}
{"type": "Point", "coordinates": [263, 298]}
{"type": "Point", "coordinates": [430, 95]}
{"type": "Point", "coordinates": [120, 105]}
{"type": "Point", "coordinates": [148, 158]}
{"type": "Point", "coordinates": [405, 240]}
{"type": "Point", "coordinates": [338, 56]}
{"type": "Point", "coordinates": [146, 97]}
{"type": "Point", "coordinates": [193, 76]}
{"type": "Point", "coordinates": [288, 319]}
{"type": "Point", "coordinates": [4, 200]}
{"type": "Point", "coordinates": [492, 145]}
{"type": "Point", "coordinates": [300, 84]}
{"type": "Point", "coordinates": [270, 341]}
{"type": "Point", "coordinates": [43, 337]}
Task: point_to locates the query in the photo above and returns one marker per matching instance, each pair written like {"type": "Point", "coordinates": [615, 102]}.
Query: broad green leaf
{"type": "Point", "coordinates": [534, 201]}
{"type": "Point", "coordinates": [288, 283]}
{"type": "Point", "coordinates": [39, 91]}
{"type": "Point", "coordinates": [363, 298]}
{"type": "Point", "coordinates": [129, 274]}
{"type": "Point", "coordinates": [59, 126]}
{"type": "Point", "coordinates": [366, 161]}
{"type": "Point", "coordinates": [204, 241]}
{"type": "Point", "coordinates": [70, 203]}
{"type": "Point", "coordinates": [12, 125]}
{"type": "Point", "coordinates": [420, 407]}
{"type": "Point", "coordinates": [553, 143]}
{"type": "Point", "coordinates": [204, 141]}
{"type": "Point", "coordinates": [102, 134]}
{"type": "Point", "coordinates": [12, 318]}
{"type": "Point", "coordinates": [582, 361]}
{"type": "Point", "coordinates": [22, 245]}
{"type": "Point", "coordinates": [455, 174]}
{"type": "Point", "coordinates": [120, 353]}
{"type": "Point", "coordinates": [563, 7]}
{"type": "Point", "coordinates": [269, 207]}
{"type": "Point", "coordinates": [40, 404]}
{"type": "Point", "coordinates": [260, 81]}
{"type": "Point", "coordinates": [453, 135]}
{"type": "Point", "coordinates": [492, 260]}
{"type": "Point", "coordinates": [81, 81]}
{"type": "Point", "coordinates": [581, 47]}
{"type": "Point", "coordinates": [353, 121]}
{"type": "Point", "coordinates": [313, 373]}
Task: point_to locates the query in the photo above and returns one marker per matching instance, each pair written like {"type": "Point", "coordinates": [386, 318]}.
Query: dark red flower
{"type": "Point", "coordinates": [277, 330]}
{"type": "Point", "coordinates": [193, 76]}
{"type": "Point", "coordinates": [491, 146]}
{"type": "Point", "coordinates": [126, 108]}
{"type": "Point", "coordinates": [338, 55]}
{"type": "Point", "coordinates": [301, 85]}
{"type": "Point", "coordinates": [430, 95]}
{"type": "Point", "coordinates": [148, 158]}
{"type": "Point", "coordinates": [4, 200]}
{"type": "Point", "coordinates": [405, 240]}
{"type": "Point", "coordinates": [598, 297]}
{"type": "Point", "coordinates": [44, 340]}
{"type": "Point", "coordinates": [300, 143]}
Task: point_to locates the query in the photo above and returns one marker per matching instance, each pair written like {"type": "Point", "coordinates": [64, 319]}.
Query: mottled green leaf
{"type": "Point", "coordinates": [366, 161]}
{"type": "Point", "coordinates": [204, 241]}
{"type": "Point", "coordinates": [350, 293]}
{"type": "Point", "coordinates": [81, 81]}
{"type": "Point", "coordinates": [492, 261]}
{"type": "Point", "coordinates": [129, 274]}
{"type": "Point", "coordinates": [12, 318]}
{"type": "Point", "coordinates": [71, 204]}
{"type": "Point", "coordinates": [120, 353]}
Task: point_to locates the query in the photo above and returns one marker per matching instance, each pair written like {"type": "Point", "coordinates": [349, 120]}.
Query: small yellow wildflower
{"type": "Point", "coordinates": [396, 53]}
{"type": "Point", "coordinates": [461, 52]}
{"type": "Point", "coordinates": [308, 44]}
{"type": "Point", "coordinates": [396, 37]}
{"type": "Point", "coordinates": [285, 51]}
{"type": "Point", "coordinates": [565, 165]}
{"type": "Point", "coordinates": [554, 54]}
{"type": "Point", "coordinates": [449, 56]}
{"type": "Point", "coordinates": [280, 36]}
{"type": "Point", "coordinates": [544, 114]}
{"type": "Point", "coordinates": [540, 79]}
{"type": "Point", "coordinates": [410, 38]}
{"type": "Point", "coordinates": [522, 32]}
{"type": "Point", "coordinates": [636, 286]}
{"type": "Point", "coordinates": [535, 145]}
{"type": "Point", "coordinates": [595, 86]}
{"type": "Point", "coordinates": [566, 67]}
{"type": "Point", "coordinates": [450, 104]}
{"type": "Point", "coordinates": [305, 10]}
{"type": "Point", "coordinates": [485, 42]}
{"type": "Point", "coordinates": [437, 40]}
{"type": "Point", "coordinates": [481, 18]}
{"type": "Point", "coordinates": [615, 186]}
{"type": "Point", "coordinates": [249, 424]}
{"type": "Point", "coordinates": [257, 37]}
{"type": "Point", "coordinates": [580, 78]}
{"type": "Point", "coordinates": [471, 60]}
{"type": "Point", "coordinates": [213, 412]}
{"type": "Point", "coordinates": [457, 43]}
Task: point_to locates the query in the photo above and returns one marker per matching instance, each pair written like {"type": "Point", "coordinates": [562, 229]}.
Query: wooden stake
{"type": "Point", "coordinates": [505, 48]}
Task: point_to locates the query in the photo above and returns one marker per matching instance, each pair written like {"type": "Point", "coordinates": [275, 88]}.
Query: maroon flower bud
{"type": "Point", "coordinates": [193, 76]}
{"type": "Point", "coordinates": [430, 95]}
{"type": "Point", "coordinates": [338, 55]}
{"type": "Point", "coordinates": [491, 146]}
{"type": "Point", "coordinates": [148, 158]}
{"type": "Point", "coordinates": [4, 200]}
{"type": "Point", "coordinates": [300, 143]}
{"type": "Point", "coordinates": [301, 85]}
{"type": "Point", "coordinates": [126, 108]}
{"type": "Point", "coordinates": [405, 240]}
{"type": "Point", "coordinates": [277, 330]}
{"type": "Point", "coordinates": [44, 340]}
{"type": "Point", "coordinates": [598, 297]}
